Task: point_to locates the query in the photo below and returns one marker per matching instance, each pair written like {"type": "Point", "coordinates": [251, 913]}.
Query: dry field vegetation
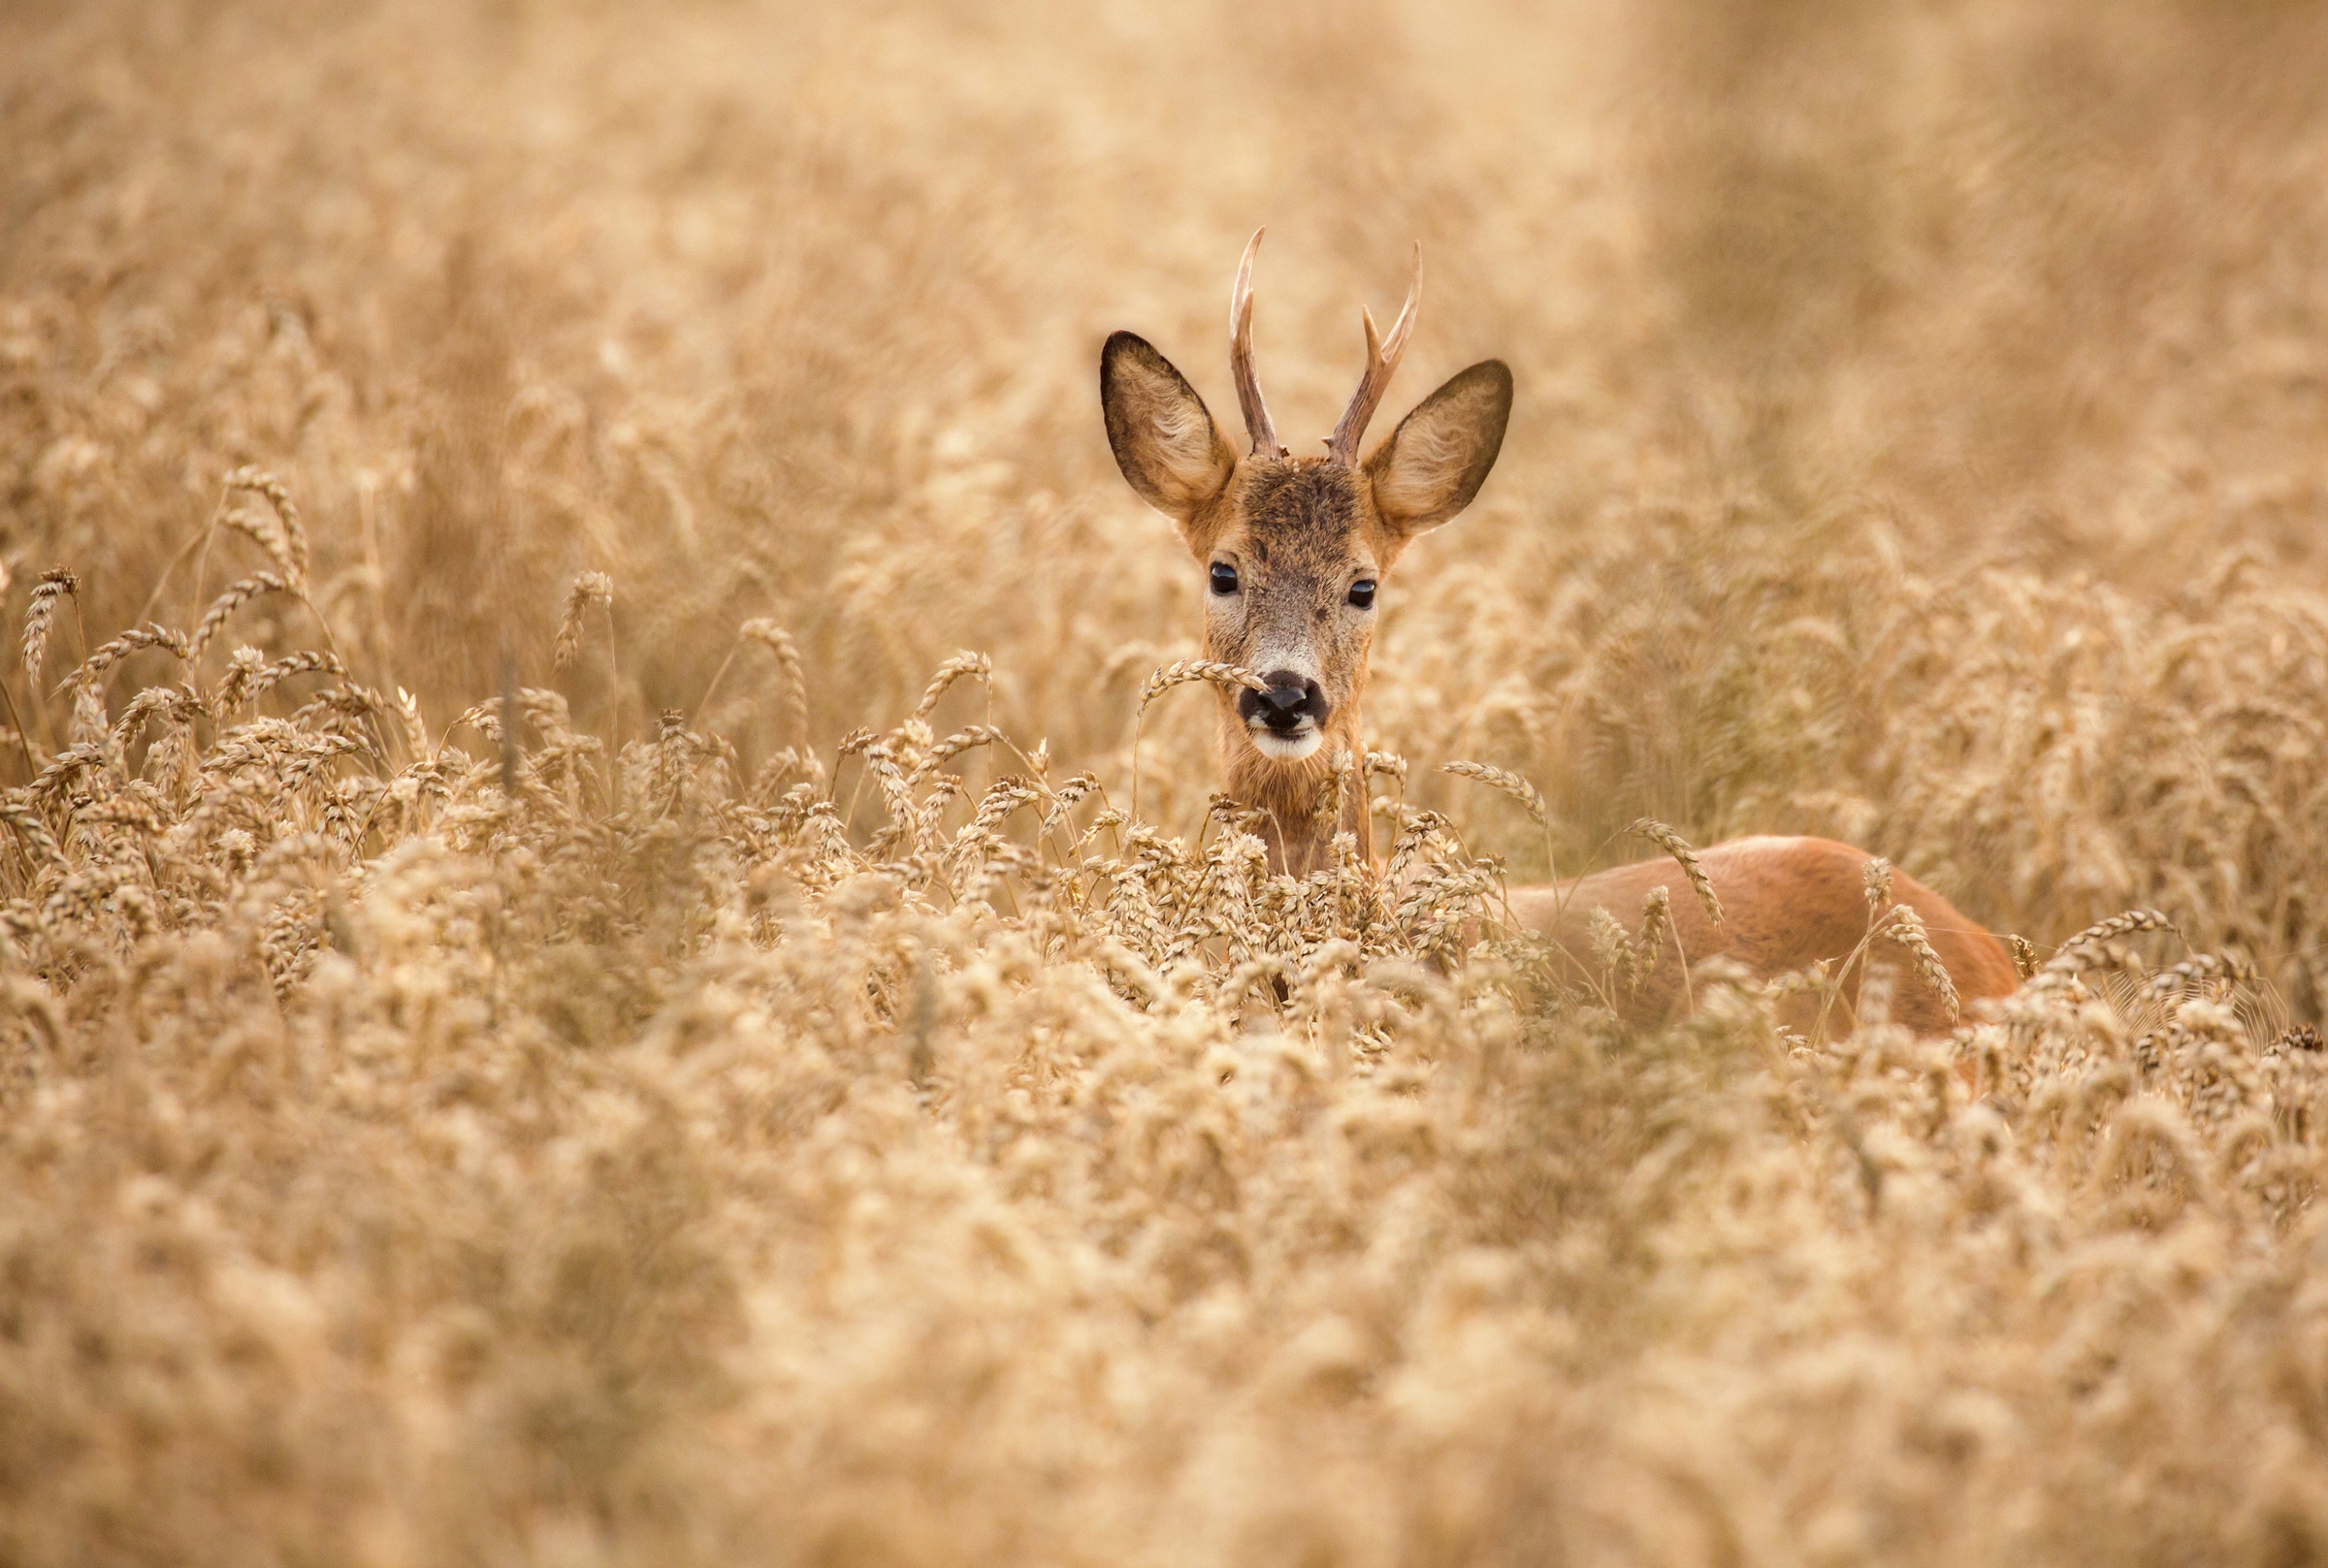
{"type": "Point", "coordinates": [765, 1105]}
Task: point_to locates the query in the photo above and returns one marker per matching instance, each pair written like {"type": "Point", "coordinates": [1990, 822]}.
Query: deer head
{"type": "Point", "coordinates": [1297, 550]}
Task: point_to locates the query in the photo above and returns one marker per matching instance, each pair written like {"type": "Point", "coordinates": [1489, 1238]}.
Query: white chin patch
{"type": "Point", "coordinates": [1287, 748]}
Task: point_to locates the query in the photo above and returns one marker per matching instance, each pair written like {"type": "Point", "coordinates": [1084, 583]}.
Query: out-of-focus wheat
{"type": "Point", "coordinates": [587, 589]}
{"type": "Point", "coordinates": [778, 641]}
{"type": "Point", "coordinates": [825, 1039]}
{"type": "Point", "coordinates": [454, 1110]}
{"type": "Point", "coordinates": [40, 614]}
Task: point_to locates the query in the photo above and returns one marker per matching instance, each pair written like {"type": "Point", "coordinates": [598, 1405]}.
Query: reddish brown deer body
{"type": "Point", "coordinates": [1295, 549]}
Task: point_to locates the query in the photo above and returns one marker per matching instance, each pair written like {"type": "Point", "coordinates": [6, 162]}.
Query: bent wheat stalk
{"type": "Point", "coordinates": [1182, 672]}
{"type": "Point", "coordinates": [1674, 844]}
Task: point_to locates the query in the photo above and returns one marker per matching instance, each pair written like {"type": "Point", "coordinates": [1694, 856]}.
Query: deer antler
{"type": "Point", "coordinates": [1241, 357]}
{"type": "Point", "coordinates": [1382, 363]}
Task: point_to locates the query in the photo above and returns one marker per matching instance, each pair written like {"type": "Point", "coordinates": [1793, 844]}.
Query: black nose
{"type": "Point", "coordinates": [1289, 699]}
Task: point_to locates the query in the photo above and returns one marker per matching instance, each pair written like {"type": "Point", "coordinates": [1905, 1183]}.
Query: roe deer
{"type": "Point", "coordinates": [1295, 551]}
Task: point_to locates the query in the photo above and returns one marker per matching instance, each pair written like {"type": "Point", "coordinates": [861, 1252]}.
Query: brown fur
{"type": "Point", "coordinates": [1788, 903]}
{"type": "Point", "coordinates": [1299, 530]}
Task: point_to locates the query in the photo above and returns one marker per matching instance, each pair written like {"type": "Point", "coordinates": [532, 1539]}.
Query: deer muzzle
{"type": "Point", "coordinates": [1288, 719]}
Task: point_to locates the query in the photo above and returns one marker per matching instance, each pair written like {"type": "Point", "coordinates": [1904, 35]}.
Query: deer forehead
{"type": "Point", "coordinates": [1300, 520]}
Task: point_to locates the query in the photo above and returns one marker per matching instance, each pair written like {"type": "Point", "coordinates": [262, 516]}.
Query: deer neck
{"type": "Point", "coordinates": [1299, 840]}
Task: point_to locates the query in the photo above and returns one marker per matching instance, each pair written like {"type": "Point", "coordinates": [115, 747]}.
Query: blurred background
{"type": "Point", "coordinates": [1865, 354]}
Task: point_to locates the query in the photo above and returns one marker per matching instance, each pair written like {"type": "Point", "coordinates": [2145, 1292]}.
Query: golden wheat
{"type": "Point", "coordinates": [588, 589]}
{"type": "Point", "coordinates": [975, 666]}
{"type": "Point", "coordinates": [778, 642]}
{"type": "Point", "coordinates": [465, 1101]}
{"type": "Point", "coordinates": [38, 616]}
{"type": "Point", "coordinates": [1184, 671]}
{"type": "Point", "coordinates": [1503, 782]}
{"type": "Point", "coordinates": [1674, 844]}
{"type": "Point", "coordinates": [1905, 926]}
{"type": "Point", "coordinates": [277, 530]}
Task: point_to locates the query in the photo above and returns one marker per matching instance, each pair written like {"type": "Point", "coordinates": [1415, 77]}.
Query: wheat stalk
{"type": "Point", "coordinates": [586, 590]}
{"type": "Point", "coordinates": [1180, 672]}
{"type": "Point", "coordinates": [277, 532]}
{"type": "Point", "coordinates": [952, 746]}
{"type": "Point", "coordinates": [977, 666]}
{"type": "Point", "coordinates": [1504, 782]}
{"type": "Point", "coordinates": [1656, 930]}
{"type": "Point", "coordinates": [1325, 813]}
{"type": "Point", "coordinates": [778, 642]}
{"type": "Point", "coordinates": [1674, 844]}
{"type": "Point", "coordinates": [233, 598]}
{"type": "Point", "coordinates": [1876, 874]}
{"type": "Point", "coordinates": [2081, 951]}
{"type": "Point", "coordinates": [1906, 927]}
{"type": "Point", "coordinates": [40, 615]}
{"type": "Point", "coordinates": [2203, 970]}
{"type": "Point", "coordinates": [120, 648]}
{"type": "Point", "coordinates": [1612, 952]}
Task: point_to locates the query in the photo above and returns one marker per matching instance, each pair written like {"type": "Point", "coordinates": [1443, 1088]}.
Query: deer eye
{"type": "Point", "coordinates": [1224, 577]}
{"type": "Point", "coordinates": [1362, 592]}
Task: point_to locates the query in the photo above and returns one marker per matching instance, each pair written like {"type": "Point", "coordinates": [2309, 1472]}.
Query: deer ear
{"type": "Point", "coordinates": [1439, 457]}
{"type": "Point", "coordinates": [1165, 442]}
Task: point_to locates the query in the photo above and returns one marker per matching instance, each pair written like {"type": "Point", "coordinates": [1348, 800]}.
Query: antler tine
{"type": "Point", "coordinates": [1241, 356]}
{"type": "Point", "coordinates": [1382, 363]}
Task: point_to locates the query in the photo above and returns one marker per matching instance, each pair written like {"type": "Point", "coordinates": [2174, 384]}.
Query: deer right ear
{"type": "Point", "coordinates": [1439, 457]}
{"type": "Point", "coordinates": [1165, 442]}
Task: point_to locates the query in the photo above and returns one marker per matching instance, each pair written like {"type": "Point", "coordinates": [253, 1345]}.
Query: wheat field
{"type": "Point", "coordinates": [579, 984]}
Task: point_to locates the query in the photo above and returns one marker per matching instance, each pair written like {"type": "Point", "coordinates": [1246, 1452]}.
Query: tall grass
{"type": "Point", "coordinates": [534, 1028]}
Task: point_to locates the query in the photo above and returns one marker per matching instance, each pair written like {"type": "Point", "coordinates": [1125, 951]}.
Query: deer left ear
{"type": "Point", "coordinates": [1165, 442]}
{"type": "Point", "coordinates": [1439, 457]}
